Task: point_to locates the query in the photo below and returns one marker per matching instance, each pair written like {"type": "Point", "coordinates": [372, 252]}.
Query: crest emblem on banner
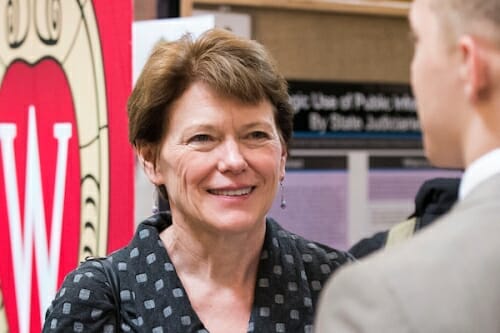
{"type": "Point", "coordinates": [54, 152]}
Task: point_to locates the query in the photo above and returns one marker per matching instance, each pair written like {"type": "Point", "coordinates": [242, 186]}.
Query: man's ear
{"type": "Point", "coordinates": [474, 68]}
{"type": "Point", "coordinates": [146, 156]}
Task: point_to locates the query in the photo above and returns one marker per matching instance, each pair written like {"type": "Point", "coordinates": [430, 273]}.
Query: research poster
{"type": "Point", "coordinates": [356, 161]}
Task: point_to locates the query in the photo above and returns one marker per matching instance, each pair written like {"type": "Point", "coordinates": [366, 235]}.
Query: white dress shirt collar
{"type": "Point", "coordinates": [480, 170]}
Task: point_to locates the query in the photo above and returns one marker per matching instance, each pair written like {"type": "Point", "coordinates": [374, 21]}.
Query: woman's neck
{"type": "Point", "coordinates": [219, 258]}
{"type": "Point", "coordinates": [218, 273]}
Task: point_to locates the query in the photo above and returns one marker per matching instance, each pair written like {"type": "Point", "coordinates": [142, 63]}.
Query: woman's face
{"type": "Point", "coordinates": [221, 162]}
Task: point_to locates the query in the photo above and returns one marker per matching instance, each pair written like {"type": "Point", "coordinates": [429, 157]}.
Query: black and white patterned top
{"type": "Point", "coordinates": [291, 273]}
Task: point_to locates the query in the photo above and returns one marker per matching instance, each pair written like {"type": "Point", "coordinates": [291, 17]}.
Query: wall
{"type": "Point", "coordinates": [330, 45]}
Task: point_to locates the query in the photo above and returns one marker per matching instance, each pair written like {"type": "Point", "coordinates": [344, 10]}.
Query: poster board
{"type": "Point", "coordinates": [66, 169]}
{"type": "Point", "coordinates": [356, 160]}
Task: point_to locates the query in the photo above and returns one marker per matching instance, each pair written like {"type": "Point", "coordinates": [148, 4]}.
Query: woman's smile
{"type": "Point", "coordinates": [237, 192]}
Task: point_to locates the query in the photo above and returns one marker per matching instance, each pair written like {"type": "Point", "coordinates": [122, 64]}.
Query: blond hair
{"type": "Point", "coordinates": [477, 17]}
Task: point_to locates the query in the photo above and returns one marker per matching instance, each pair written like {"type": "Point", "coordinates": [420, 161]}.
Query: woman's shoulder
{"type": "Point", "coordinates": [311, 251]}
{"type": "Point", "coordinates": [83, 300]}
{"type": "Point", "coordinates": [289, 256]}
{"type": "Point", "coordinates": [86, 298]}
{"type": "Point", "coordinates": [88, 274]}
{"type": "Point", "coordinates": [147, 234]}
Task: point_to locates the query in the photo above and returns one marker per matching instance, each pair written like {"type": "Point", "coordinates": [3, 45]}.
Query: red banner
{"type": "Point", "coordinates": [66, 168]}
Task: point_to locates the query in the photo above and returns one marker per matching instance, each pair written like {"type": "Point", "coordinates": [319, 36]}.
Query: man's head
{"type": "Point", "coordinates": [456, 79]}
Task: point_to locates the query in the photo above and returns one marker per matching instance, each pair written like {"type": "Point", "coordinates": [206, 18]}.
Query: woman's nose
{"type": "Point", "coordinates": [232, 158]}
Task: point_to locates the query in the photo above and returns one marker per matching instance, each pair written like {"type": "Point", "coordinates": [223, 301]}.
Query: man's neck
{"type": "Point", "coordinates": [478, 171]}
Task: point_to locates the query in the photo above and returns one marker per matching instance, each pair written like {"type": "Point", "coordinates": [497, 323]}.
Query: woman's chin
{"type": "Point", "coordinates": [229, 222]}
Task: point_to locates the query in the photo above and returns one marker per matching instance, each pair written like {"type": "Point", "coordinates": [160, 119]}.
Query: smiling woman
{"type": "Point", "coordinates": [210, 119]}
{"type": "Point", "coordinates": [221, 161]}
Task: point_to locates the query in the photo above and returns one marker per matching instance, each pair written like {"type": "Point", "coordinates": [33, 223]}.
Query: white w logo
{"type": "Point", "coordinates": [47, 259]}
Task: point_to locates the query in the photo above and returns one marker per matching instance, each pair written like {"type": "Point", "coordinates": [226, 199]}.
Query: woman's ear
{"type": "Point", "coordinates": [146, 157]}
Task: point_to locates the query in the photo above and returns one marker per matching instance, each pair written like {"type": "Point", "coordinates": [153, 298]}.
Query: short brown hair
{"type": "Point", "coordinates": [230, 65]}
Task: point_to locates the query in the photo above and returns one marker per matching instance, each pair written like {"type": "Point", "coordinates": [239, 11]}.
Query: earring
{"type": "Point", "coordinates": [283, 201]}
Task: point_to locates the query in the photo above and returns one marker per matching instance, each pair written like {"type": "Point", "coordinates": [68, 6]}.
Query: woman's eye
{"type": "Point", "coordinates": [258, 135]}
{"type": "Point", "coordinates": [200, 138]}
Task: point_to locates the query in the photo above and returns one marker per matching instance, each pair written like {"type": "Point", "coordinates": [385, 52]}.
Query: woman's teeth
{"type": "Point", "coordinates": [238, 192]}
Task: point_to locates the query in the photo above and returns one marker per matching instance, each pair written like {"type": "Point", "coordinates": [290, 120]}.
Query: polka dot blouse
{"type": "Point", "coordinates": [290, 276]}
